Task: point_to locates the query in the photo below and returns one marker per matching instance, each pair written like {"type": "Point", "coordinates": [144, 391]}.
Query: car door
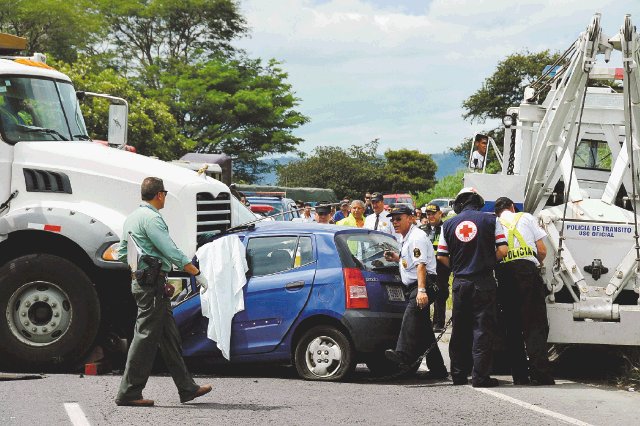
{"type": "Point", "coordinates": [280, 278]}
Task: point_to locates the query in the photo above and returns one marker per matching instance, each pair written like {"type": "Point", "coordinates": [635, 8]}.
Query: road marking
{"type": "Point", "coordinates": [532, 407]}
{"type": "Point", "coordinates": [76, 415]}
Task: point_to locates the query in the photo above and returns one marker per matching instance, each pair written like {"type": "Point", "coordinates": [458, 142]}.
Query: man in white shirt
{"type": "Point", "coordinates": [379, 220]}
{"type": "Point", "coordinates": [306, 214]}
{"type": "Point", "coordinates": [479, 155]}
{"type": "Point", "coordinates": [522, 296]}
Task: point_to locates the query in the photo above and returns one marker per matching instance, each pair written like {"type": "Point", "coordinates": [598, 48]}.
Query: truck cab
{"type": "Point", "coordinates": [63, 201]}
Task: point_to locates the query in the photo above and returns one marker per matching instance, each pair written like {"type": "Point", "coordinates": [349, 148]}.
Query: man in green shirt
{"type": "Point", "coordinates": [155, 325]}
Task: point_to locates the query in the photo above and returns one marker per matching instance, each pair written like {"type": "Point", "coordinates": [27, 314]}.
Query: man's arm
{"type": "Point", "coordinates": [541, 250]}
{"type": "Point", "coordinates": [422, 299]}
{"type": "Point", "coordinates": [444, 260]}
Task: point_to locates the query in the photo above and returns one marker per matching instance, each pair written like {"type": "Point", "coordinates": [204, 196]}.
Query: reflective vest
{"type": "Point", "coordinates": [516, 252]}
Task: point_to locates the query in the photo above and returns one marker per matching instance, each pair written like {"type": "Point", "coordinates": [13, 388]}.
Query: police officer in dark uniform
{"type": "Point", "coordinates": [433, 229]}
{"type": "Point", "coordinates": [470, 244]}
{"type": "Point", "coordinates": [417, 266]}
{"type": "Point", "coordinates": [521, 295]}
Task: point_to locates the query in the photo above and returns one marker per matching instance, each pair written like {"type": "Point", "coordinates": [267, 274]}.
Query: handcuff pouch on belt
{"type": "Point", "coordinates": [148, 277]}
{"type": "Point", "coordinates": [432, 289]}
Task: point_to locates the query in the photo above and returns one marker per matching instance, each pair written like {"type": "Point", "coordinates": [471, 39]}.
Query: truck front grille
{"type": "Point", "coordinates": [214, 214]}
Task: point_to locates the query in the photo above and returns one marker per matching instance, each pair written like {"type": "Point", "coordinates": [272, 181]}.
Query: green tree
{"type": "Point", "coordinates": [152, 128]}
{"type": "Point", "coordinates": [240, 107]}
{"type": "Point", "coordinates": [447, 187]}
{"type": "Point", "coordinates": [349, 172]}
{"type": "Point", "coordinates": [409, 170]}
{"type": "Point", "coordinates": [160, 32]}
{"type": "Point", "coordinates": [61, 28]}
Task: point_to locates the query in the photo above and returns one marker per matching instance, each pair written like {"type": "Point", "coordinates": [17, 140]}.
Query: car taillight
{"type": "Point", "coordinates": [355, 288]}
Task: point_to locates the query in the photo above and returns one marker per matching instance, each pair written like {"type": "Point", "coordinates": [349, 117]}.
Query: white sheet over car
{"type": "Point", "coordinates": [223, 263]}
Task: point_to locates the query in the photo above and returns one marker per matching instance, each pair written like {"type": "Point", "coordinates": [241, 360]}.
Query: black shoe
{"type": "Point", "coordinates": [459, 381]}
{"type": "Point", "coordinates": [521, 381]}
{"type": "Point", "coordinates": [397, 357]}
{"type": "Point", "coordinates": [434, 375]}
{"type": "Point", "coordinates": [487, 383]}
{"type": "Point", "coordinates": [543, 381]}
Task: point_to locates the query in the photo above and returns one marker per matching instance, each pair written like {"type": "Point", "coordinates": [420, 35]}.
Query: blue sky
{"type": "Point", "coordinates": [399, 70]}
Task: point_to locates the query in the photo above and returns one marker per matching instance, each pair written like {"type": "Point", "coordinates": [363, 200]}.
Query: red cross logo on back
{"type": "Point", "coordinates": [466, 231]}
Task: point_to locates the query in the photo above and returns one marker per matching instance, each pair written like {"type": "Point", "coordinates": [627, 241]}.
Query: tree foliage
{"type": "Point", "coordinates": [161, 32]}
{"type": "Point", "coordinates": [409, 170]}
{"type": "Point", "coordinates": [61, 28]}
{"type": "Point", "coordinates": [505, 87]}
{"type": "Point", "coordinates": [353, 171]}
{"type": "Point", "coordinates": [447, 187]}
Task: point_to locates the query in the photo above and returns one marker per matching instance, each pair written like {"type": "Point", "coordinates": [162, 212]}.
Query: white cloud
{"type": "Point", "coordinates": [399, 70]}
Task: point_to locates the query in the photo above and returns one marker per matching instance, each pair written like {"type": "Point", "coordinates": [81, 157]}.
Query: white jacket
{"type": "Point", "coordinates": [223, 263]}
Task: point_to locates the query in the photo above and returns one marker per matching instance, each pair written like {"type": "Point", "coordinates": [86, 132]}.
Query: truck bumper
{"type": "Point", "coordinates": [563, 328]}
{"type": "Point", "coordinates": [372, 331]}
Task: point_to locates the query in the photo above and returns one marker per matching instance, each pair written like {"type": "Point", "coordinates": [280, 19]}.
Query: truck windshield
{"type": "Point", "coordinates": [38, 109]}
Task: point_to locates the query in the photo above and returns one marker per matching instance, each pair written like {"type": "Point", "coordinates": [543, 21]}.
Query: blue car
{"type": "Point", "coordinates": [320, 297]}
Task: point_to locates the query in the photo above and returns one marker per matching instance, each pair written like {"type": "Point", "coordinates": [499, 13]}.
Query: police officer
{"type": "Point", "coordinates": [417, 267]}
{"type": "Point", "coordinates": [433, 229]}
{"type": "Point", "coordinates": [379, 220]}
{"type": "Point", "coordinates": [155, 326]}
{"type": "Point", "coordinates": [521, 295]}
{"type": "Point", "coordinates": [323, 214]}
{"type": "Point", "coordinates": [470, 243]}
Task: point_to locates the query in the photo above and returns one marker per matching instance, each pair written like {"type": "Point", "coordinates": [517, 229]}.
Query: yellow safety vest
{"type": "Point", "coordinates": [516, 252]}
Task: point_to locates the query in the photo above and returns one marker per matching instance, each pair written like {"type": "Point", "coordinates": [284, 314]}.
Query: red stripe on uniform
{"type": "Point", "coordinates": [443, 248]}
{"type": "Point", "coordinates": [500, 236]}
{"type": "Point", "coordinates": [53, 228]}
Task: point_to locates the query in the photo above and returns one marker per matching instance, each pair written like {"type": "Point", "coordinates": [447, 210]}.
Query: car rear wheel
{"type": "Point", "coordinates": [324, 353]}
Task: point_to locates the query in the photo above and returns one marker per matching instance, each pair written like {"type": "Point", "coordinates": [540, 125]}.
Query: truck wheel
{"type": "Point", "coordinates": [324, 353]}
{"type": "Point", "coordinates": [52, 312]}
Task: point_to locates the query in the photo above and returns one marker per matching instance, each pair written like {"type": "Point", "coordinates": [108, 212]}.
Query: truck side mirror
{"type": "Point", "coordinates": [118, 123]}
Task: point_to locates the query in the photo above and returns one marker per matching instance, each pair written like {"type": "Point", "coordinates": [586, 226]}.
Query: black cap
{"type": "Point", "coordinates": [323, 209]}
{"type": "Point", "coordinates": [402, 209]}
{"type": "Point", "coordinates": [432, 208]}
{"type": "Point", "coordinates": [376, 196]}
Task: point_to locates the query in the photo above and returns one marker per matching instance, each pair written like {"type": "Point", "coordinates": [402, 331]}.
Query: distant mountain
{"type": "Point", "coordinates": [448, 163]}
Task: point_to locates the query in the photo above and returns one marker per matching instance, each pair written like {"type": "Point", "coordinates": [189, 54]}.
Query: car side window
{"type": "Point", "coordinates": [304, 253]}
{"type": "Point", "coordinates": [270, 255]}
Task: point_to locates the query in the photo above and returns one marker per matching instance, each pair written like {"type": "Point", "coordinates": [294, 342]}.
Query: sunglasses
{"type": "Point", "coordinates": [164, 192]}
{"type": "Point", "coordinates": [396, 218]}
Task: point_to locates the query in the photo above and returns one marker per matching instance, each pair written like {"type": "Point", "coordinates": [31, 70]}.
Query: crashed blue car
{"type": "Point", "coordinates": [320, 297]}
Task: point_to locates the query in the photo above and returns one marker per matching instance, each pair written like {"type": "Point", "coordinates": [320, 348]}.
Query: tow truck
{"type": "Point", "coordinates": [572, 161]}
{"type": "Point", "coordinates": [63, 201]}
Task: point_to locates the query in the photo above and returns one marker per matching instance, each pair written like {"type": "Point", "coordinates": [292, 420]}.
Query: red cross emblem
{"type": "Point", "coordinates": [466, 231]}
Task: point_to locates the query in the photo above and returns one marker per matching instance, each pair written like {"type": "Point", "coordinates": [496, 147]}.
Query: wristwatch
{"type": "Point", "coordinates": [422, 290]}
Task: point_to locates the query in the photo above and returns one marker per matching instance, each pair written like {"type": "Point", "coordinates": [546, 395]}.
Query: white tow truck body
{"type": "Point", "coordinates": [63, 202]}
{"type": "Point", "coordinates": [573, 162]}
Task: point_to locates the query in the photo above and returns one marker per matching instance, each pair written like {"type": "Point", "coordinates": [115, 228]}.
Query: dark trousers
{"type": "Point", "coordinates": [521, 295]}
{"type": "Point", "coordinates": [416, 334]}
{"type": "Point", "coordinates": [474, 322]}
{"type": "Point", "coordinates": [440, 304]}
{"type": "Point", "coordinates": [155, 328]}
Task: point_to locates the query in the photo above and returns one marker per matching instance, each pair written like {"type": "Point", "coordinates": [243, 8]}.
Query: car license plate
{"type": "Point", "coordinates": [396, 293]}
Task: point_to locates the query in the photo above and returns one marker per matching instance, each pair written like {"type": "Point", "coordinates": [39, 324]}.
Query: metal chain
{"type": "Point", "coordinates": [405, 369]}
{"type": "Point", "coordinates": [512, 151]}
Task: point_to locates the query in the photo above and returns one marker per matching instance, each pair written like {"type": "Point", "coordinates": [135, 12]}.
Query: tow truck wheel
{"type": "Point", "coordinates": [52, 312]}
{"type": "Point", "coordinates": [324, 353]}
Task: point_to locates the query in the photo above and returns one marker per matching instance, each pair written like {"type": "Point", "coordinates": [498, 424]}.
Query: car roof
{"type": "Point", "coordinates": [274, 228]}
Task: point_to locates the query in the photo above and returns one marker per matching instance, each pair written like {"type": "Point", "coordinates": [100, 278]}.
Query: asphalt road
{"type": "Point", "coordinates": [274, 395]}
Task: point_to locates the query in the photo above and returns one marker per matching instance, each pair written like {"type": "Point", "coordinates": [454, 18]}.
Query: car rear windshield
{"type": "Point", "coordinates": [366, 250]}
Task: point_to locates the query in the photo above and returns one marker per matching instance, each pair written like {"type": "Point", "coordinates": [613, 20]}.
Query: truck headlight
{"type": "Point", "coordinates": [507, 120]}
{"type": "Point", "coordinates": [111, 253]}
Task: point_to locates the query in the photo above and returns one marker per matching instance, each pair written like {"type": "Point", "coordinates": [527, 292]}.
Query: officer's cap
{"type": "Point", "coordinates": [432, 208]}
{"type": "Point", "coordinates": [323, 209]}
{"type": "Point", "coordinates": [402, 209]}
{"type": "Point", "coordinates": [376, 196]}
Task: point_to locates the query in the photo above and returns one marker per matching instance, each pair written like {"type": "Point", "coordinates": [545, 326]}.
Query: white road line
{"type": "Point", "coordinates": [76, 415]}
{"type": "Point", "coordinates": [532, 407]}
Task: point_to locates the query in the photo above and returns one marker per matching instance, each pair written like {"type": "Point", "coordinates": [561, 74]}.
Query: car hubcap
{"type": "Point", "coordinates": [324, 356]}
{"type": "Point", "coordinates": [39, 313]}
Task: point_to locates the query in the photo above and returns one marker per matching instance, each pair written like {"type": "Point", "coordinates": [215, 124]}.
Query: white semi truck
{"type": "Point", "coordinates": [63, 201]}
{"type": "Point", "coordinates": [573, 161]}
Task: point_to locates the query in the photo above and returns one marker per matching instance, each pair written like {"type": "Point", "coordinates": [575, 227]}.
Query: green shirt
{"type": "Point", "coordinates": [151, 233]}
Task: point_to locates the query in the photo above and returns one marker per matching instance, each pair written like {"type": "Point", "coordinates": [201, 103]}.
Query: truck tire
{"type": "Point", "coordinates": [324, 353]}
{"type": "Point", "coordinates": [52, 313]}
